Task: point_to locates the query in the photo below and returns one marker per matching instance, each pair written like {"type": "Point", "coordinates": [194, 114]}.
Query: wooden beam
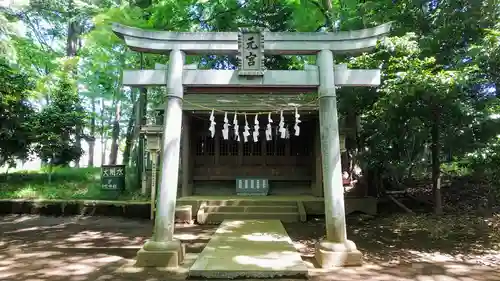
{"type": "Point", "coordinates": [291, 177]}
{"type": "Point", "coordinates": [197, 80]}
{"type": "Point", "coordinates": [317, 182]}
{"type": "Point", "coordinates": [249, 90]}
{"type": "Point", "coordinates": [217, 144]}
{"type": "Point", "coordinates": [187, 188]}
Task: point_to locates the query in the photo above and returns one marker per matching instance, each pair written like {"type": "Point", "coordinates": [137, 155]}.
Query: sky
{"type": "Point", "coordinates": [13, 3]}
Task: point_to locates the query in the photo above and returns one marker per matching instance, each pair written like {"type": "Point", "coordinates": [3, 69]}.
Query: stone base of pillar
{"type": "Point", "coordinates": [160, 254]}
{"type": "Point", "coordinates": [331, 255]}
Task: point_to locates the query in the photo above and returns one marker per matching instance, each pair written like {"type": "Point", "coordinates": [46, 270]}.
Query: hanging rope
{"type": "Point", "coordinates": [281, 128]}
{"type": "Point", "coordinates": [254, 113]}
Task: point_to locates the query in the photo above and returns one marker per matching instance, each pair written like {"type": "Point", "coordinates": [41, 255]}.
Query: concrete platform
{"type": "Point", "coordinates": [249, 249]}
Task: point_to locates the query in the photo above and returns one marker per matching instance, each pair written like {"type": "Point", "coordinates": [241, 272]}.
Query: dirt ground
{"type": "Point", "coordinates": [34, 248]}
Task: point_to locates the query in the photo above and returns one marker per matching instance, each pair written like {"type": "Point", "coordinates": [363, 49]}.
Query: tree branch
{"type": "Point", "coordinates": [37, 34]}
{"type": "Point", "coordinates": [328, 21]}
{"type": "Point", "coordinates": [240, 6]}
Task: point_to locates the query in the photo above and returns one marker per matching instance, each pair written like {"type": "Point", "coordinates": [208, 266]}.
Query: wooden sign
{"type": "Point", "coordinates": [250, 53]}
{"type": "Point", "coordinates": [113, 177]}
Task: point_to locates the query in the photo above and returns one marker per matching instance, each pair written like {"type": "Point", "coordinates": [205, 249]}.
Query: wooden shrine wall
{"type": "Point", "coordinates": [216, 159]}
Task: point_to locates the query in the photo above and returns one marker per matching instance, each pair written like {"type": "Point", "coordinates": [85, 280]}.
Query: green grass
{"type": "Point", "coordinates": [66, 183]}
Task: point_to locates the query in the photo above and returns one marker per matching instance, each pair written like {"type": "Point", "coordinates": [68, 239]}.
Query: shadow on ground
{"type": "Point", "coordinates": [406, 247]}
{"type": "Point", "coordinates": [79, 248]}
{"type": "Point", "coordinates": [34, 248]}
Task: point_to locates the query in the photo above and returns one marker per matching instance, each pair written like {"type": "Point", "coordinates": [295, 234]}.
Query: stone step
{"type": "Point", "coordinates": [218, 217]}
{"type": "Point", "coordinates": [252, 209]}
{"type": "Point", "coordinates": [252, 202]}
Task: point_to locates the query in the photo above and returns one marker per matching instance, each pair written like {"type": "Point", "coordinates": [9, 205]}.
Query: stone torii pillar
{"type": "Point", "coordinates": [162, 250]}
{"type": "Point", "coordinates": [335, 250]}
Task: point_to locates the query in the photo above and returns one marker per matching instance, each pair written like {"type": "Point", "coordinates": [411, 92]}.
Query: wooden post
{"type": "Point", "coordinates": [217, 137]}
{"type": "Point", "coordinates": [317, 182]}
{"type": "Point", "coordinates": [154, 159]}
{"type": "Point", "coordinates": [240, 151]}
{"type": "Point", "coordinates": [263, 143]}
{"type": "Point", "coordinates": [186, 156]}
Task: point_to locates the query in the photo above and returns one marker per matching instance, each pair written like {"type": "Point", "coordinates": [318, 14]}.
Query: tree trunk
{"type": "Point", "coordinates": [72, 44]}
{"type": "Point", "coordinates": [91, 140]}
{"type": "Point", "coordinates": [143, 108]}
{"type": "Point", "coordinates": [103, 136]}
{"type": "Point", "coordinates": [114, 105]}
{"type": "Point", "coordinates": [436, 170]}
{"type": "Point", "coordinates": [115, 136]}
{"type": "Point", "coordinates": [73, 32]}
{"type": "Point", "coordinates": [129, 139]}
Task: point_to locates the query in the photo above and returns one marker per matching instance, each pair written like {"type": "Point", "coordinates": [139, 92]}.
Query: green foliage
{"type": "Point", "coordinates": [16, 114]}
{"type": "Point", "coordinates": [486, 53]}
{"type": "Point", "coordinates": [416, 92]}
{"type": "Point", "coordinates": [67, 183]}
{"type": "Point", "coordinates": [36, 60]}
{"type": "Point", "coordinates": [56, 124]}
{"type": "Point", "coordinates": [7, 50]}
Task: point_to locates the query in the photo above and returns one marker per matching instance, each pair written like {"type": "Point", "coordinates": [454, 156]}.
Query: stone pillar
{"type": "Point", "coordinates": [163, 250]}
{"type": "Point", "coordinates": [335, 250]}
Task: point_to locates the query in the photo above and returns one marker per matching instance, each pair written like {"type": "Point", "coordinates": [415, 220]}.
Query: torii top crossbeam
{"type": "Point", "coordinates": [304, 43]}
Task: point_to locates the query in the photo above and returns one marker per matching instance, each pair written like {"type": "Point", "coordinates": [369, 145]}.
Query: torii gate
{"type": "Point", "coordinates": [250, 47]}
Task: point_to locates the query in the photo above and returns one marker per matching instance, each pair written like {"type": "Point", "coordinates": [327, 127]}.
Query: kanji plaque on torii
{"type": "Point", "coordinates": [250, 53]}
